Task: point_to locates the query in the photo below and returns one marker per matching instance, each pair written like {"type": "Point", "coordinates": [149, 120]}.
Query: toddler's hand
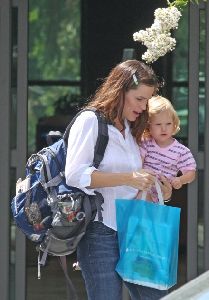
{"type": "Point", "coordinates": [166, 187]}
{"type": "Point", "coordinates": [176, 183]}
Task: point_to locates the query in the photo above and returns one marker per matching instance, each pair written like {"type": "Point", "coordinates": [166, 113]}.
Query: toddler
{"type": "Point", "coordinates": [160, 151]}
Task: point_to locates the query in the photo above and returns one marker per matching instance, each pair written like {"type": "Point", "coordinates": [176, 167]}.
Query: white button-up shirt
{"type": "Point", "coordinates": [121, 155]}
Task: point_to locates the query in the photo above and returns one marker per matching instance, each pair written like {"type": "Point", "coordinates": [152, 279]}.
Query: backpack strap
{"type": "Point", "coordinates": [99, 150]}
{"type": "Point", "coordinates": [67, 130]}
{"type": "Point", "coordinates": [102, 139]}
{"type": "Point", "coordinates": [71, 291]}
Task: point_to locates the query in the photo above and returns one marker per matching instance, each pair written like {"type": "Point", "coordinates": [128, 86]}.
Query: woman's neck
{"type": "Point", "coordinates": [119, 126]}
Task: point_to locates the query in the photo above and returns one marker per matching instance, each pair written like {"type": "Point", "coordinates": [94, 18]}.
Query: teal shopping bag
{"type": "Point", "coordinates": [148, 236]}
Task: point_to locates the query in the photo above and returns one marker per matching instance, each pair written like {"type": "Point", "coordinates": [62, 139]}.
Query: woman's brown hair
{"type": "Point", "coordinates": [109, 97]}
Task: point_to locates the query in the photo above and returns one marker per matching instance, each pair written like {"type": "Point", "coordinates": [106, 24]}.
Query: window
{"type": "Point", "coordinates": [180, 76]}
{"type": "Point", "coordinates": [180, 73]}
{"type": "Point", "coordinates": [54, 61]}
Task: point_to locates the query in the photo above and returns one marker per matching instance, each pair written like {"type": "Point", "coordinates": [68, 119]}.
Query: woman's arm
{"type": "Point", "coordinates": [80, 152]}
{"type": "Point", "coordinates": [141, 180]}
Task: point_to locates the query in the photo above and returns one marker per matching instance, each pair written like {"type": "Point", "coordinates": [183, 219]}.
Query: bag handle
{"type": "Point", "coordinates": [159, 193]}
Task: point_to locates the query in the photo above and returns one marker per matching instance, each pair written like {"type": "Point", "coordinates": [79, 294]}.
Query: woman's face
{"type": "Point", "coordinates": [136, 101]}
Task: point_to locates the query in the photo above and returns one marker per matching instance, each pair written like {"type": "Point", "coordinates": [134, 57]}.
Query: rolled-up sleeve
{"type": "Point", "coordinates": [80, 151]}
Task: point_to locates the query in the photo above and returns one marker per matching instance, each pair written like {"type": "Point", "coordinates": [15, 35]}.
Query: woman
{"type": "Point", "coordinates": [122, 99]}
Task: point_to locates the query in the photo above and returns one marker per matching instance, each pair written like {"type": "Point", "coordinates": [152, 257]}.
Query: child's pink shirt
{"type": "Point", "coordinates": [167, 161]}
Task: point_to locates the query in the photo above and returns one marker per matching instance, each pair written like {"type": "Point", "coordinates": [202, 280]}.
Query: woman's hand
{"type": "Point", "coordinates": [142, 180]}
{"type": "Point", "coordinates": [166, 187]}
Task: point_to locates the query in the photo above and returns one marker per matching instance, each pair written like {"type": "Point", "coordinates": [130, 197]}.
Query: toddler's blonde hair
{"type": "Point", "coordinates": [156, 105]}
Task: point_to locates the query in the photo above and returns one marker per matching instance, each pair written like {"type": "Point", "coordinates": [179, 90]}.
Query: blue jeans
{"type": "Point", "coordinates": [139, 292]}
{"type": "Point", "coordinates": [98, 253]}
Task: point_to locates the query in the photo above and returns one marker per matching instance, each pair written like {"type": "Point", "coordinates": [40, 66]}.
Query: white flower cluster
{"type": "Point", "coordinates": [158, 38]}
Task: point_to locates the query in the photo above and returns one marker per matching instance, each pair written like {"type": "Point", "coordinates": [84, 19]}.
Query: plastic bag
{"type": "Point", "coordinates": [148, 236]}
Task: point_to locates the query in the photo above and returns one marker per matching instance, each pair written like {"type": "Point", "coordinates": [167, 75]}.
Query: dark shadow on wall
{"type": "Point", "coordinates": [107, 28]}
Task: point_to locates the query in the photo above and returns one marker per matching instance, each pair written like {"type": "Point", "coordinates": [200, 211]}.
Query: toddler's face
{"type": "Point", "coordinates": [162, 128]}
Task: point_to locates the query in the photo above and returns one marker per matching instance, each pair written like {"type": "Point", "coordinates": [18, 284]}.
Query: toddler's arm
{"type": "Point", "coordinates": [187, 177]}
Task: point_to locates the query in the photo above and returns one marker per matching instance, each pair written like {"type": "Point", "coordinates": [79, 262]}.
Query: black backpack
{"type": "Point", "coordinates": [47, 210]}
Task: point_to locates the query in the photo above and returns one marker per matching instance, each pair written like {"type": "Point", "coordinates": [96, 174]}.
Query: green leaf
{"type": "Point", "coordinates": [182, 3]}
{"type": "Point", "coordinates": [178, 3]}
